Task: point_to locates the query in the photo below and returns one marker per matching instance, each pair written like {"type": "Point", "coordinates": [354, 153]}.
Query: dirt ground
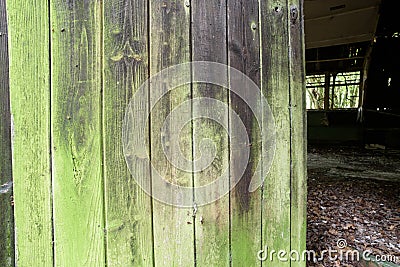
{"type": "Point", "coordinates": [353, 199]}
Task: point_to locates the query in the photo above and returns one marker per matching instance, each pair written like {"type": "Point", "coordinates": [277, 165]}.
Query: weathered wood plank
{"type": "Point", "coordinates": [128, 208]}
{"type": "Point", "coordinates": [76, 133]}
{"type": "Point", "coordinates": [30, 107]}
{"type": "Point", "coordinates": [212, 221]}
{"type": "Point", "coordinates": [298, 130]}
{"type": "Point", "coordinates": [275, 86]}
{"type": "Point", "coordinates": [170, 42]}
{"type": "Point", "coordinates": [6, 215]}
{"type": "Point", "coordinates": [244, 55]}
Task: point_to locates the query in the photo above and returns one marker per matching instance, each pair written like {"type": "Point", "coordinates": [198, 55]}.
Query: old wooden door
{"type": "Point", "coordinates": [84, 173]}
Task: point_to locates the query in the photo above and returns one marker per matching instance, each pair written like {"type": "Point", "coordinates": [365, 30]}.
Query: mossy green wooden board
{"type": "Point", "coordinates": [275, 86]}
{"type": "Point", "coordinates": [128, 208]}
{"type": "Point", "coordinates": [212, 220]}
{"type": "Point", "coordinates": [298, 129]}
{"type": "Point", "coordinates": [76, 85]}
{"type": "Point", "coordinates": [170, 45]}
{"type": "Point", "coordinates": [29, 47]}
{"type": "Point", "coordinates": [245, 207]}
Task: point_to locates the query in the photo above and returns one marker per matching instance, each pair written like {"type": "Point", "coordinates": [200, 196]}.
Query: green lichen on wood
{"type": "Point", "coordinates": [169, 45]}
{"type": "Point", "coordinates": [76, 133]}
{"type": "Point", "coordinates": [212, 220]}
{"type": "Point", "coordinates": [30, 107]}
{"type": "Point", "coordinates": [298, 129]}
{"type": "Point", "coordinates": [104, 46]}
{"type": "Point", "coordinates": [245, 210]}
{"type": "Point", "coordinates": [276, 227]}
{"type": "Point", "coordinates": [128, 209]}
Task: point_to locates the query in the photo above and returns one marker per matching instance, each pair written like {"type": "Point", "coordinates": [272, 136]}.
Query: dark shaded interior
{"type": "Point", "coordinates": [353, 153]}
{"type": "Point", "coordinates": [377, 120]}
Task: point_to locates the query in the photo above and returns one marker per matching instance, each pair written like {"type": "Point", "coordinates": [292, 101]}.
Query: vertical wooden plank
{"type": "Point", "coordinates": [128, 208]}
{"type": "Point", "coordinates": [212, 220]}
{"type": "Point", "coordinates": [169, 45]}
{"type": "Point", "coordinates": [76, 133]}
{"type": "Point", "coordinates": [30, 109]}
{"type": "Point", "coordinates": [6, 215]}
{"type": "Point", "coordinates": [245, 210]}
{"type": "Point", "coordinates": [364, 76]}
{"type": "Point", "coordinates": [333, 90]}
{"type": "Point", "coordinates": [298, 130]}
{"type": "Point", "coordinates": [275, 86]}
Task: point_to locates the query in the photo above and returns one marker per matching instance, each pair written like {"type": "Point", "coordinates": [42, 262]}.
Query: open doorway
{"type": "Point", "coordinates": [353, 110]}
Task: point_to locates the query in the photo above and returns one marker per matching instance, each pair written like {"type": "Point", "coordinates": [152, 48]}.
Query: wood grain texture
{"type": "Point", "coordinates": [6, 215]}
{"type": "Point", "coordinates": [275, 85]}
{"type": "Point", "coordinates": [30, 107]}
{"type": "Point", "coordinates": [169, 45]}
{"type": "Point", "coordinates": [212, 221]}
{"type": "Point", "coordinates": [76, 133]}
{"type": "Point", "coordinates": [128, 208]}
{"type": "Point", "coordinates": [298, 130]}
{"type": "Point", "coordinates": [245, 210]}
{"type": "Point", "coordinates": [79, 74]}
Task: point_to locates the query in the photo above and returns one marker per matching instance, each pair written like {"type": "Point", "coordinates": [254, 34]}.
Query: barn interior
{"type": "Point", "coordinates": [353, 110]}
{"type": "Point", "coordinates": [353, 72]}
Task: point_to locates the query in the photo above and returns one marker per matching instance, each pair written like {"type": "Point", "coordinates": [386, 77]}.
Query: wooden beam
{"type": "Point", "coordinates": [349, 12]}
{"type": "Point", "coordinates": [340, 40]}
{"type": "Point", "coordinates": [333, 59]}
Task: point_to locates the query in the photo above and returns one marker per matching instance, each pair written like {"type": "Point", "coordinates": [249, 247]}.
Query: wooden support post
{"type": "Point", "coordinates": [326, 91]}
{"type": "Point", "coordinates": [332, 96]}
{"type": "Point", "coordinates": [364, 75]}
